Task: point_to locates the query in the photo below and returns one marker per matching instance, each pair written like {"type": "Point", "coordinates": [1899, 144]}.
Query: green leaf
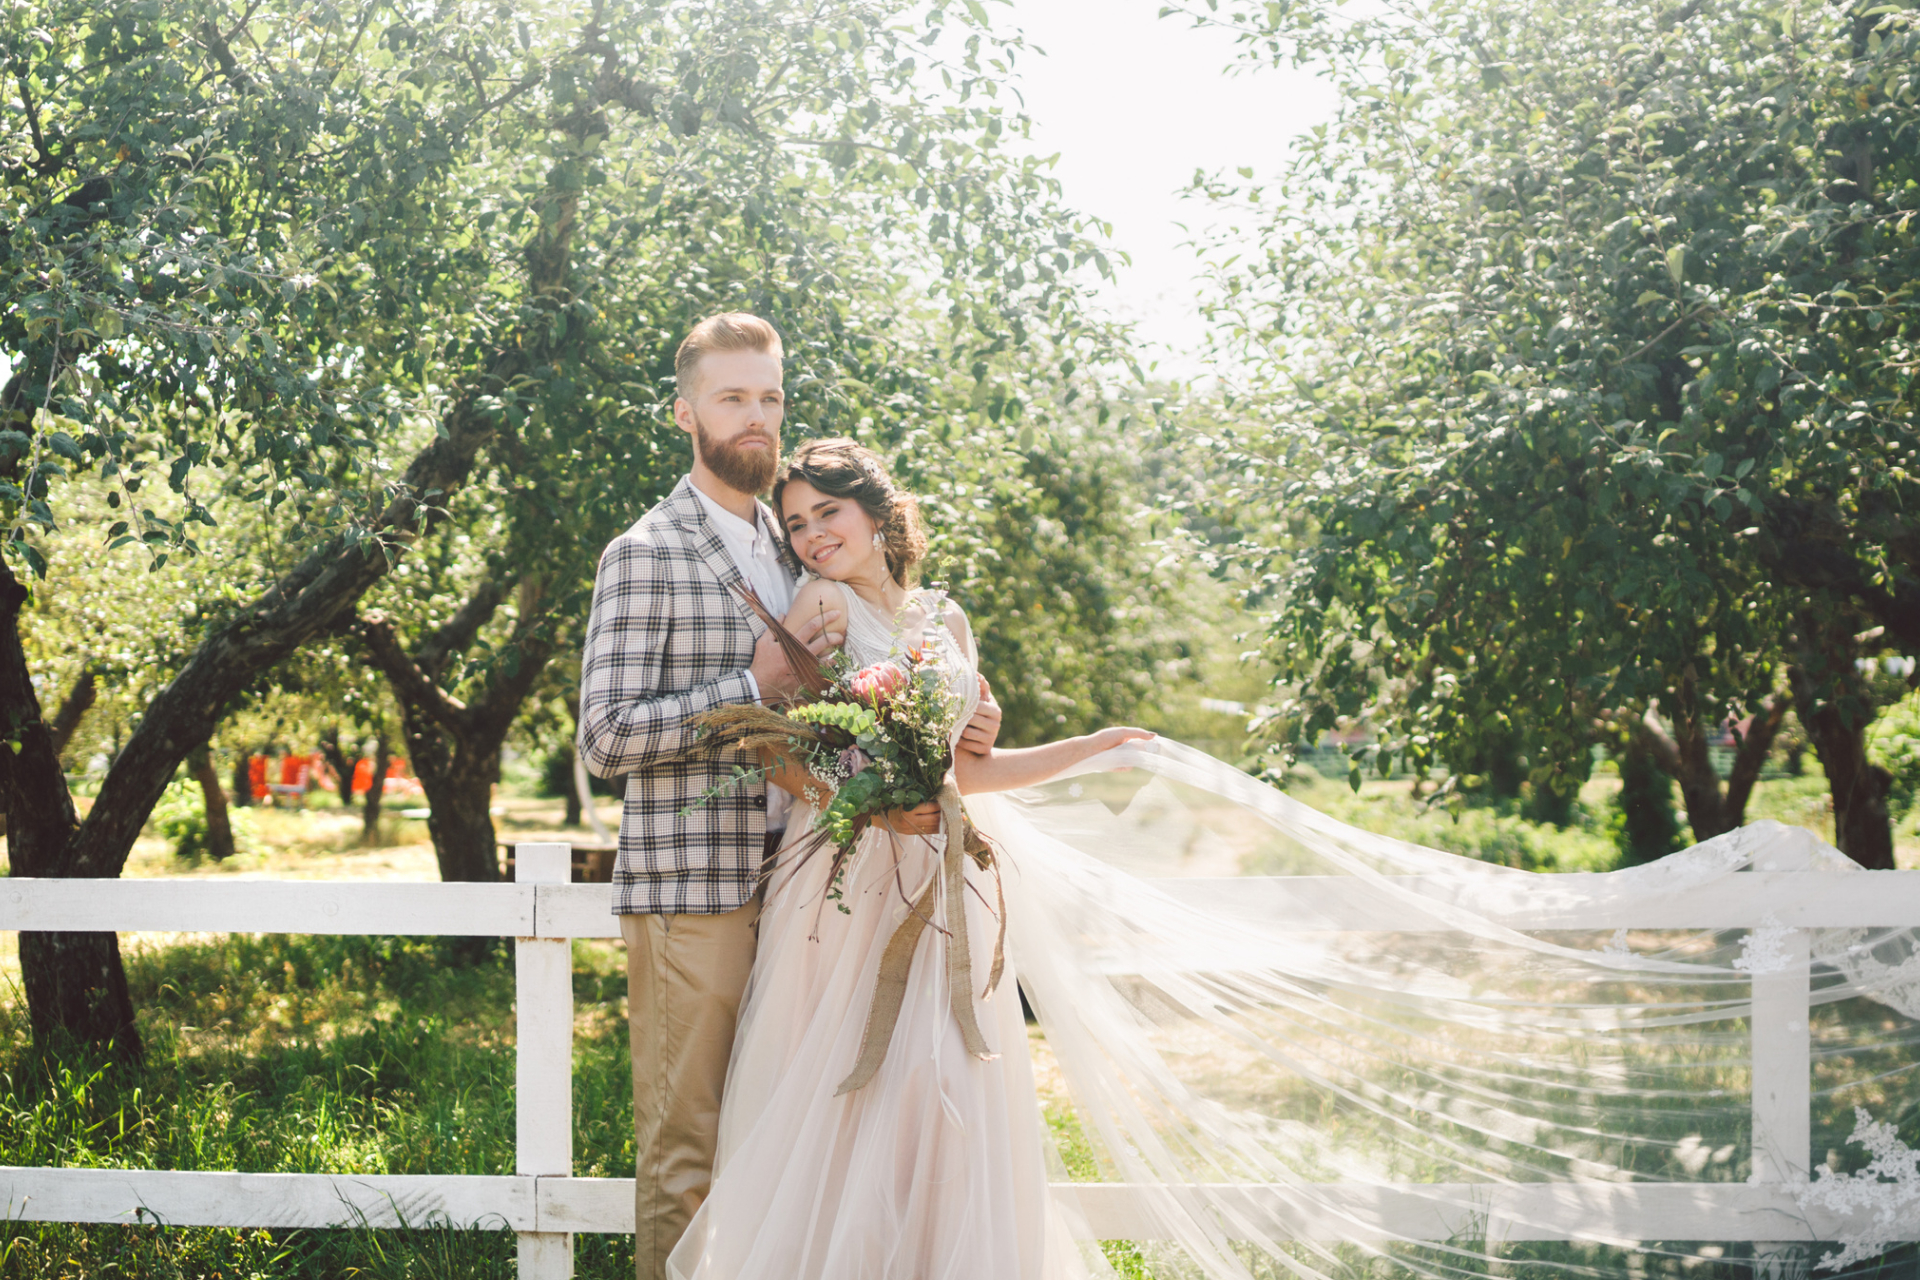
{"type": "Point", "coordinates": [1677, 263]}
{"type": "Point", "coordinates": [1649, 295]}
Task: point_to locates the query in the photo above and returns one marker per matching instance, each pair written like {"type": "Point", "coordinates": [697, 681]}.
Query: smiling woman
{"type": "Point", "coordinates": [836, 492]}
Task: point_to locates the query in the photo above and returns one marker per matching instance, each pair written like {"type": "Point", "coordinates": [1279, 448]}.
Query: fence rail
{"type": "Point", "coordinates": [545, 1205]}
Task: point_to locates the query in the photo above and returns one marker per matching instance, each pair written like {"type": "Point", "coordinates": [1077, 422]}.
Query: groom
{"type": "Point", "coordinates": [668, 639]}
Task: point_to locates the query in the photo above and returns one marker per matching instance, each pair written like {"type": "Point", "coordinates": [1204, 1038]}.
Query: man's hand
{"type": "Point", "coordinates": [984, 729]}
{"type": "Point", "coordinates": [770, 668]}
{"type": "Point", "coordinates": [921, 820]}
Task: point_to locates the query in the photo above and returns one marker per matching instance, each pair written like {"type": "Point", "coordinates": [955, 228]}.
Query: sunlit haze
{"type": "Point", "coordinates": [1134, 104]}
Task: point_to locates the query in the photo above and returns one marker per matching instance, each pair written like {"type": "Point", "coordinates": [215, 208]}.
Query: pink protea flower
{"type": "Point", "coordinates": [877, 683]}
{"type": "Point", "coordinates": [853, 760]}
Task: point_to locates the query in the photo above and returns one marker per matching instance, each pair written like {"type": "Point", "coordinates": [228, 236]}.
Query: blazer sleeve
{"type": "Point", "coordinates": [630, 715]}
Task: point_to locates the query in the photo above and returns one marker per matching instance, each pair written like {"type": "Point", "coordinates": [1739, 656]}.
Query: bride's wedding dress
{"type": "Point", "coordinates": [1307, 1050]}
{"type": "Point", "coordinates": [935, 1169]}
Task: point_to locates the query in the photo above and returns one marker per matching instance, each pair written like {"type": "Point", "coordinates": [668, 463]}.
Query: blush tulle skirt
{"type": "Point", "coordinates": [937, 1168]}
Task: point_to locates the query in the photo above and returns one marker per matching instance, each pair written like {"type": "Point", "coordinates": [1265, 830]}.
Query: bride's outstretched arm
{"type": "Point", "coordinates": [1005, 768]}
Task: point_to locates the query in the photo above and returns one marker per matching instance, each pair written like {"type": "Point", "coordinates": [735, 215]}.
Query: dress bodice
{"type": "Point", "coordinates": [871, 637]}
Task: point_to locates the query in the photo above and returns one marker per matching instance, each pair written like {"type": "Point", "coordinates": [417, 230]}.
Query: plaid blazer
{"type": "Point", "coordinates": [668, 639]}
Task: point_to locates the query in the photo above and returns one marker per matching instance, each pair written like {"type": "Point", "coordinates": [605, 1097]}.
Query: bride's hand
{"type": "Point", "coordinates": [921, 820]}
{"type": "Point", "coordinates": [1109, 738]}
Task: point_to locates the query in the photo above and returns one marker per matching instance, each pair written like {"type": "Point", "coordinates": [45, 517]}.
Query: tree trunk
{"type": "Point", "coordinates": [572, 792]}
{"type": "Point", "coordinates": [1646, 802]}
{"type": "Point", "coordinates": [1686, 757]}
{"type": "Point", "coordinates": [242, 781]}
{"type": "Point", "coordinates": [74, 981]}
{"type": "Point", "coordinates": [455, 746]}
{"type": "Point", "coordinates": [376, 787]}
{"type": "Point", "coordinates": [219, 829]}
{"type": "Point", "coordinates": [307, 601]}
{"type": "Point", "coordinates": [459, 782]}
{"type": "Point", "coordinates": [76, 987]}
{"type": "Point", "coordinates": [337, 761]}
{"type": "Point", "coordinates": [1835, 714]}
{"type": "Point", "coordinates": [73, 708]}
{"type": "Point", "coordinates": [1750, 756]}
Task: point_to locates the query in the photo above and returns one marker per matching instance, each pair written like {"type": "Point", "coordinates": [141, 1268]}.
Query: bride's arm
{"type": "Point", "coordinates": [1009, 768]}
{"type": "Point", "coordinates": [1006, 768]}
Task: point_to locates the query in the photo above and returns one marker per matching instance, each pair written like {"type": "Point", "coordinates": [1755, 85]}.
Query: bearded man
{"type": "Point", "coordinates": [669, 638]}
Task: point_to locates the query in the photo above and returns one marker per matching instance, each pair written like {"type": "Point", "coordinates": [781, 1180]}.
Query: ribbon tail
{"type": "Point", "coordinates": [959, 950]}
{"type": "Point", "coordinates": [1000, 940]}
{"type": "Point", "coordinates": [896, 962]}
{"type": "Point", "coordinates": [889, 992]}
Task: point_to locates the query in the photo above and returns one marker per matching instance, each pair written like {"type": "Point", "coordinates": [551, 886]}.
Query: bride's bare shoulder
{"type": "Point", "coordinates": [954, 618]}
{"type": "Point", "coordinates": [818, 595]}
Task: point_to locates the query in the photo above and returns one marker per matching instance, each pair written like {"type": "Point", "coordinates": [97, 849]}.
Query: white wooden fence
{"type": "Point", "coordinates": [544, 1204]}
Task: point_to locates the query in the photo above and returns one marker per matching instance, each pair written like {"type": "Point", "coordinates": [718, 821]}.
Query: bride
{"type": "Point", "coordinates": [935, 1167]}
{"type": "Point", "coordinates": [1358, 1056]}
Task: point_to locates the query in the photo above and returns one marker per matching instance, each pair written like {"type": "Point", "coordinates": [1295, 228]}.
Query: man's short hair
{"type": "Point", "coordinates": [731, 331]}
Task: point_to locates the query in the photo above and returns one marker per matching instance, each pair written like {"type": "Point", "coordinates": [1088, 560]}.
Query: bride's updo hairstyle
{"type": "Point", "coordinates": [854, 473]}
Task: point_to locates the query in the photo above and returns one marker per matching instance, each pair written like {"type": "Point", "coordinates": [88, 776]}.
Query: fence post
{"type": "Point", "coordinates": [543, 1060]}
{"type": "Point", "coordinates": [1782, 1067]}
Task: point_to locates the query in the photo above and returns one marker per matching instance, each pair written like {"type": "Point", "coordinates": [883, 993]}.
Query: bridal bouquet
{"type": "Point", "coordinates": [876, 738]}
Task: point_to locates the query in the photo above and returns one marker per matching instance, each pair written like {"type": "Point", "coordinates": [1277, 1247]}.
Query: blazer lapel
{"type": "Point", "coordinates": [705, 541]}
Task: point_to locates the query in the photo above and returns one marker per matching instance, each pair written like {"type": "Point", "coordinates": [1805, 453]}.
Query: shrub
{"type": "Point", "coordinates": [180, 818]}
{"type": "Point", "coordinates": [1893, 743]}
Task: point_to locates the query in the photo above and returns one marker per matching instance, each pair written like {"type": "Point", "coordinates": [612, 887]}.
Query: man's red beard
{"type": "Point", "coordinates": [745, 470]}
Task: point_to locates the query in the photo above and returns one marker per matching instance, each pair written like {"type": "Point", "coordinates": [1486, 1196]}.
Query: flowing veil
{"type": "Point", "coordinates": [1373, 1057]}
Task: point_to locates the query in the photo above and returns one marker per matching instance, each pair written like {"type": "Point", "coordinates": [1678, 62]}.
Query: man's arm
{"type": "Point", "coordinates": [628, 720]}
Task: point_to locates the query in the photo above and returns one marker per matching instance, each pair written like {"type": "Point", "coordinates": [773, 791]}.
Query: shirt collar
{"type": "Point", "coordinates": [732, 527]}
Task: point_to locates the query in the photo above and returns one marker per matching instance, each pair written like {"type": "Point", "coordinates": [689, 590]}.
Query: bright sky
{"type": "Point", "coordinates": [1134, 104]}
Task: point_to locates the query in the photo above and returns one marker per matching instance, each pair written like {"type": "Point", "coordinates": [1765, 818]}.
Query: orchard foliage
{"type": "Point", "coordinates": [1586, 337]}
{"type": "Point", "coordinates": [391, 278]}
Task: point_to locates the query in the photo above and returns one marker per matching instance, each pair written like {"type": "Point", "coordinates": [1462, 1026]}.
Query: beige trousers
{"type": "Point", "coordinates": [685, 976]}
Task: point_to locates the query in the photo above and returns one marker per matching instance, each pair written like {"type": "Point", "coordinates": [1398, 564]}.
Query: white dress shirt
{"type": "Point", "coordinates": [751, 545]}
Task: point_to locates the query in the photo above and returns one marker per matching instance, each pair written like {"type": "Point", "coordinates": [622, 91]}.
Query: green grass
{"type": "Point", "coordinates": [309, 1054]}
{"type": "Point", "coordinates": [394, 1055]}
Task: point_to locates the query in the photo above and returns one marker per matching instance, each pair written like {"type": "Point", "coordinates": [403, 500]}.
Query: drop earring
{"type": "Point", "coordinates": [879, 540]}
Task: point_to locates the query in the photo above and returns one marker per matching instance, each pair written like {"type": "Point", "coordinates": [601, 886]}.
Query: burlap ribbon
{"type": "Point", "coordinates": [896, 962]}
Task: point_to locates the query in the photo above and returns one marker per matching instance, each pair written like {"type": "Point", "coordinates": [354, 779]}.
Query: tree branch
{"type": "Point", "coordinates": [1660, 337]}
{"type": "Point", "coordinates": [1807, 546]}
{"type": "Point", "coordinates": [457, 633]}
{"type": "Point", "coordinates": [1659, 744]}
{"type": "Point", "coordinates": [1751, 755]}
{"type": "Point", "coordinates": [222, 52]}
{"type": "Point", "coordinates": [410, 684]}
{"type": "Point", "coordinates": [48, 164]}
{"type": "Point", "coordinates": [78, 702]}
